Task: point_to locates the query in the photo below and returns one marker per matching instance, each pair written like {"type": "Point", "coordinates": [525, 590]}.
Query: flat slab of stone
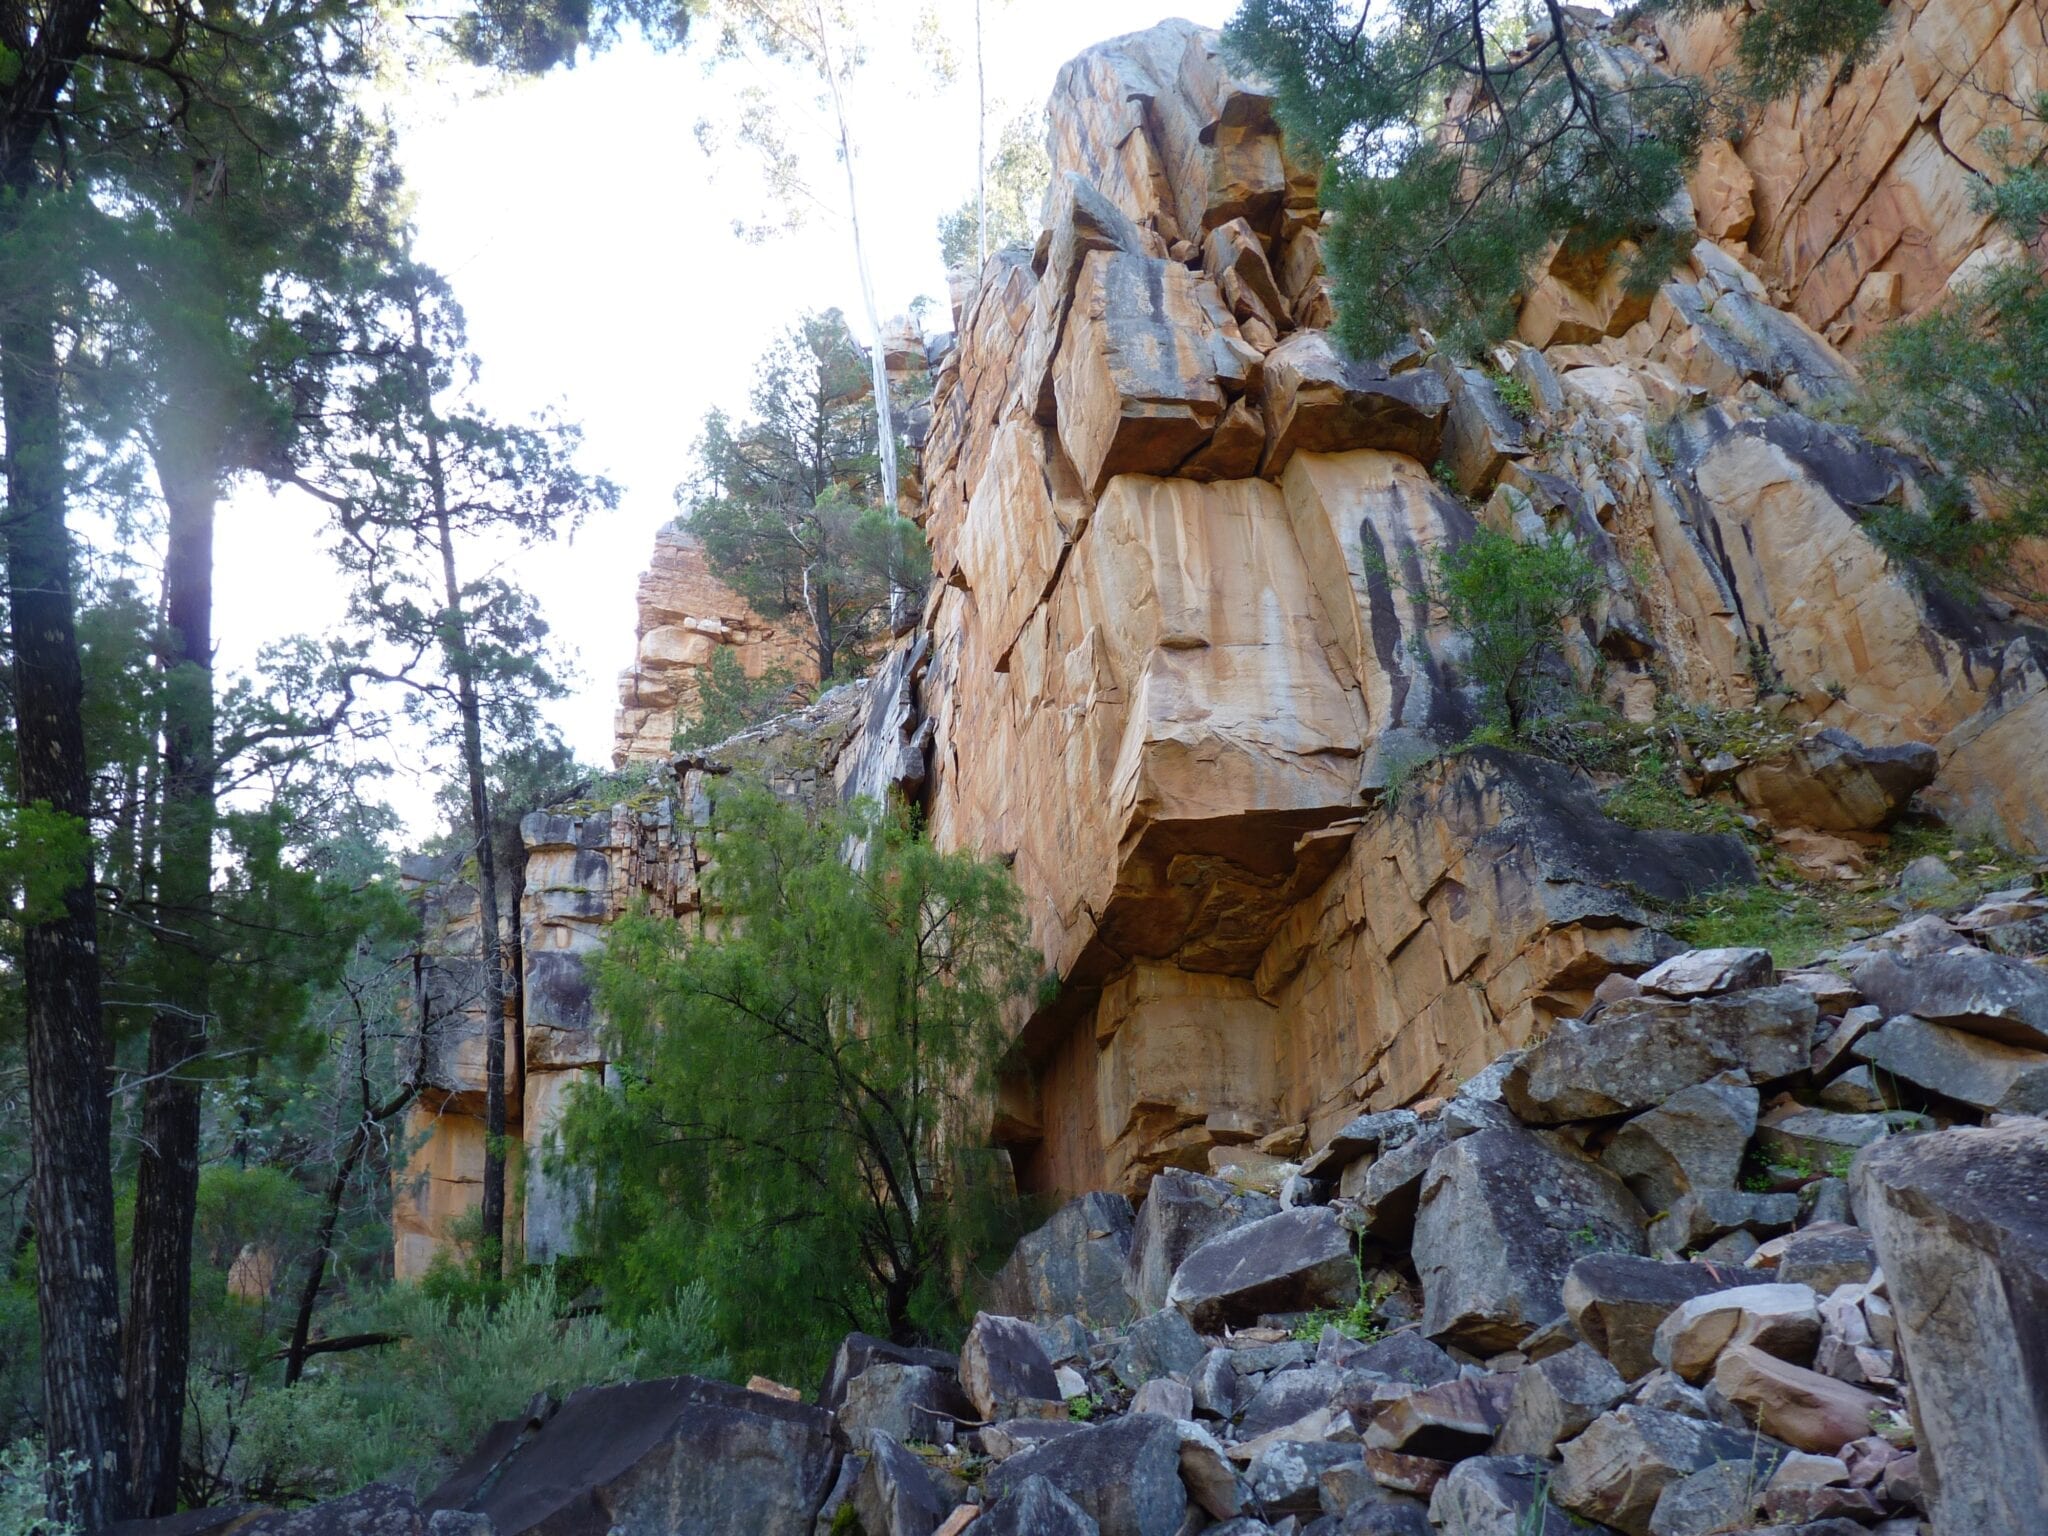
{"type": "Point", "coordinates": [1960, 1064]}
{"type": "Point", "coordinates": [1617, 1301]}
{"type": "Point", "coordinates": [1995, 996]}
{"type": "Point", "coordinates": [1295, 1261]}
{"type": "Point", "coordinates": [1072, 1266]}
{"type": "Point", "coordinates": [1124, 1474]}
{"type": "Point", "coordinates": [1642, 1050]}
{"type": "Point", "coordinates": [1181, 1211]}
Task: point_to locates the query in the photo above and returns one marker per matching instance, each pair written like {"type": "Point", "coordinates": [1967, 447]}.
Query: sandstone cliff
{"type": "Point", "coordinates": [1162, 669]}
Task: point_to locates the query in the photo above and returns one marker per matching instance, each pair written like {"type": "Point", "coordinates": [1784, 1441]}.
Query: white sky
{"type": "Point", "coordinates": [590, 241]}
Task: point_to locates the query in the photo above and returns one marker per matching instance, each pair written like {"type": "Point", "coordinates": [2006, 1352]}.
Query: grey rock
{"type": "Point", "coordinates": [1285, 1478]}
{"type": "Point", "coordinates": [1928, 882]}
{"type": "Point", "coordinates": [1390, 1515]}
{"type": "Point", "coordinates": [1074, 1264]}
{"type": "Point", "coordinates": [1730, 1248]}
{"type": "Point", "coordinates": [1290, 1395]}
{"type": "Point", "coordinates": [1125, 1474]}
{"type": "Point", "coordinates": [1451, 1420]}
{"type": "Point", "coordinates": [1206, 1469]}
{"type": "Point", "coordinates": [1700, 1217]}
{"type": "Point", "coordinates": [1556, 1398]}
{"type": "Point", "coordinates": [1825, 1200]}
{"type": "Point", "coordinates": [1833, 1052]}
{"type": "Point", "coordinates": [1366, 1136]}
{"type": "Point", "coordinates": [1827, 1257]}
{"type": "Point", "coordinates": [1781, 1319]}
{"type": "Point", "coordinates": [1404, 1357]}
{"type": "Point", "coordinates": [1616, 1471]}
{"type": "Point", "coordinates": [1959, 1065]}
{"type": "Point", "coordinates": [1667, 1390]}
{"type": "Point", "coordinates": [898, 1495]}
{"type": "Point", "coordinates": [1720, 1497]}
{"type": "Point", "coordinates": [1821, 1137]}
{"type": "Point", "coordinates": [1617, 1302]}
{"type": "Point", "coordinates": [1216, 1386]}
{"type": "Point", "coordinates": [1858, 1092]}
{"type": "Point", "coordinates": [1642, 1050]}
{"type": "Point", "coordinates": [904, 1402]}
{"type": "Point", "coordinates": [858, 1351]}
{"type": "Point", "coordinates": [1498, 1496]}
{"type": "Point", "coordinates": [1503, 1216]}
{"type": "Point", "coordinates": [1164, 1344]}
{"type": "Point", "coordinates": [1706, 972]}
{"type": "Point", "coordinates": [1003, 1440]}
{"type": "Point", "coordinates": [1182, 1211]}
{"type": "Point", "coordinates": [380, 1509]}
{"type": "Point", "coordinates": [1034, 1506]}
{"type": "Point", "coordinates": [1004, 1371]}
{"type": "Point", "coordinates": [1693, 1140]}
{"type": "Point", "coordinates": [1960, 1219]}
{"type": "Point", "coordinates": [1393, 1185]}
{"type": "Point", "coordinates": [1298, 1260]}
{"type": "Point", "coordinates": [675, 1457]}
{"type": "Point", "coordinates": [1974, 990]}
{"type": "Point", "coordinates": [1166, 1397]}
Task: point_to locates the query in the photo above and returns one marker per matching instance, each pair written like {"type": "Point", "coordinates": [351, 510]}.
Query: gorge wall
{"type": "Point", "coordinates": [1165, 673]}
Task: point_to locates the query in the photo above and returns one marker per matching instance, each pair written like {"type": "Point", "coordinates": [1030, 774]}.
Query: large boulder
{"type": "Point", "coordinates": [858, 1351]}
{"type": "Point", "coordinates": [1781, 1319]}
{"type": "Point", "coordinates": [1005, 1372]}
{"type": "Point", "coordinates": [1319, 401]}
{"type": "Point", "coordinates": [904, 1402]}
{"type": "Point", "coordinates": [677, 1457]}
{"type": "Point", "coordinates": [898, 1495]}
{"type": "Point", "coordinates": [1503, 1216]}
{"type": "Point", "coordinates": [1790, 1403]}
{"type": "Point", "coordinates": [1163, 1344]}
{"type": "Point", "coordinates": [1498, 1496]}
{"type": "Point", "coordinates": [1295, 1261]}
{"type": "Point", "coordinates": [1614, 1472]}
{"type": "Point", "coordinates": [1616, 1303]}
{"type": "Point", "coordinates": [1960, 1065]}
{"type": "Point", "coordinates": [1835, 783]}
{"type": "Point", "coordinates": [1973, 990]}
{"type": "Point", "coordinates": [1034, 1506]}
{"type": "Point", "coordinates": [1642, 1050]}
{"type": "Point", "coordinates": [1125, 1474]}
{"type": "Point", "coordinates": [1961, 1223]}
{"type": "Point", "coordinates": [1182, 1211]}
{"type": "Point", "coordinates": [379, 1509]}
{"type": "Point", "coordinates": [1072, 1266]}
{"type": "Point", "coordinates": [1694, 1140]}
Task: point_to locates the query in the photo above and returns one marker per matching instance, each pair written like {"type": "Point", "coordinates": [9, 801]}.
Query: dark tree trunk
{"type": "Point", "coordinates": [69, 1114]}
{"type": "Point", "coordinates": [462, 662]}
{"type": "Point", "coordinates": [167, 1170]}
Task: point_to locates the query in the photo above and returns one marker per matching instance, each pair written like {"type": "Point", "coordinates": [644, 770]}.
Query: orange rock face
{"type": "Point", "coordinates": [686, 613]}
{"type": "Point", "coordinates": [1174, 668]}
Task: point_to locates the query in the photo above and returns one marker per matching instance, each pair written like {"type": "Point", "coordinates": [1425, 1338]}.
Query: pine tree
{"type": "Point", "coordinates": [1438, 214]}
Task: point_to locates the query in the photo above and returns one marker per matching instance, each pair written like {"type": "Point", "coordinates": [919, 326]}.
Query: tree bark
{"type": "Point", "coordinates": [69, 1113]}
{"type": "Point", "coordinates": [167, 1171]}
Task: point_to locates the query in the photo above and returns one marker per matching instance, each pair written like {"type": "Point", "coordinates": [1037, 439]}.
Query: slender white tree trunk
{"type": "Point", "coordinates": [885, 422]}
{"type": "Point", "coordinates": [980, 149]}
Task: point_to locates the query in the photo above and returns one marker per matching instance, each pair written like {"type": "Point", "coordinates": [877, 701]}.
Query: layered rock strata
{"type": "Point", "coordinates": [1173, 669]}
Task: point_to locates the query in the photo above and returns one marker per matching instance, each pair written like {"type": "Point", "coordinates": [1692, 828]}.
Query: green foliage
{"type": "Point", "coordinates": [38, 848]}
{"type": "Point", "coordinates": [1514, 394]}
{"type": "Point", "coordinates": [1442, 228]}
{"type": "Point", "coordinates": [1651, 797]}
{"type": "Point", "coordinates": [786, 501]}
{"type": "Point", "coordinates": [1083, 1407]}
{"type": "Point", "coordinates": [792, 1078]}
{"type": "Point", "coordinates": [729, 701]}
{"type": "Point", "coordinates": [25, 1480]}
{"type": "Point", "coordinates": [1968, 382]}
{"type": "Point", "coordinates": [1017, 176]}
{"type": "Point", "coordinates": [1788, 45]}
{"type": "Point", "coordinates": [1359, 1321]}
{"type": "Point", "coordinates": [1510, 601]}
{"type": "Point", "coordinates": [409, 1409]}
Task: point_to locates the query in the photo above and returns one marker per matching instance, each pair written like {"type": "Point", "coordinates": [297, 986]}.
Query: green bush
{"type": "Point", "coordinates": [408, 1410]}
{"type": "Point", "coordinates": [1510, 601]}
